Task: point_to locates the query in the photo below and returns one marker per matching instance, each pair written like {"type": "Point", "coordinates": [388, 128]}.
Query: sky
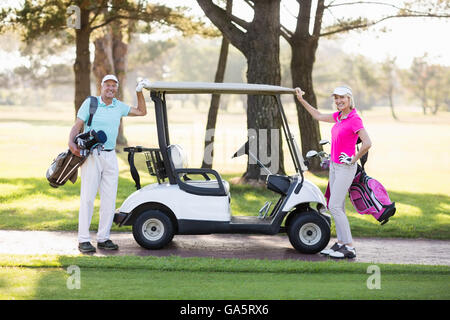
{"type": "Point", "coordinates": [405, 38]}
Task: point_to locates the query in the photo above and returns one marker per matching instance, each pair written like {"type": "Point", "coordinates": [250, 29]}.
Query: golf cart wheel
{"type": "Point", "coordinates": [153, 229]}
{"type": "Point", "coordinates": [308, 232]}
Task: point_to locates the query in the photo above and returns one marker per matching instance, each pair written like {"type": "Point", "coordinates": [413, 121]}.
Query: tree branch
{"type": "Point", "coordinates": [242, 23]}
{"type": "Point", "coordinates": [367, 24]}
{"type": "Point", "coordinates": [318, 19]}
{"type": "Point", "coordinates": [402, 10]}
{"type": "Point", "coordinates": [304, 18]}
{"type": "Point", "coordinates": [103, 5]}
{"type": "Point", "coordinates": [223, 22]}
{"type": "Point", "coordinates": [250, 4]}
{"type": "Point", "coordinates": [286, 34]}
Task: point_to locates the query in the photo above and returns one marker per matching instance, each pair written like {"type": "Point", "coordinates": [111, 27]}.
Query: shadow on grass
{"type": "Point", "coordinates": [31, 204]}
{"type": "Point", "coordinates": [429, 219]}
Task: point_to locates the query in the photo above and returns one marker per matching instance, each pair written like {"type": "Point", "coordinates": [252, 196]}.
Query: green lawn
{"type": "Point", "coordinates": [122, 277]}
{"type": "Point", "coordinates": [31, 137]}
{"type": "Point", "coordinates": [31, 204]}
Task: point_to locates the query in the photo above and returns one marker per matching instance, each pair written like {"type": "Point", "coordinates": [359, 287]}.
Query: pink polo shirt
{"type": "Point", "coordinates": [344, 134]}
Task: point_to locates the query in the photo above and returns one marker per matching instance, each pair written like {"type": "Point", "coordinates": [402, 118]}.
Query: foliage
{"type": "Point", "coordinates": [36, 18]}
{"type": "Point", "coordinates": [430, 83]}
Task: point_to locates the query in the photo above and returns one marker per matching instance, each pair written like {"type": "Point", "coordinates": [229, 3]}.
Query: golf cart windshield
{"type": "Point", "coordinates": [160, 89]}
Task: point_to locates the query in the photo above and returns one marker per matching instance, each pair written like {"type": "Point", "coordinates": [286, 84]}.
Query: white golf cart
{"type": "Point", "coordinates": [177, 204]}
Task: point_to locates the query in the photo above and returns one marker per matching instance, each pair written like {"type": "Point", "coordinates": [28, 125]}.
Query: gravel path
{"type": "Point", "coordinates": [373, 250]}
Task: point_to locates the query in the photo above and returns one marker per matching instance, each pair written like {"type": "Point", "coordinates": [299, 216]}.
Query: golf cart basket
{"type": "Point", "coordinates": [153, 160]}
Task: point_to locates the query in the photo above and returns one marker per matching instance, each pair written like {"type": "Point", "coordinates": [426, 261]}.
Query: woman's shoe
{"type": "Point", "coordinates": [333, 248]}
{"type": "Point", "coordinates": [344, 252]}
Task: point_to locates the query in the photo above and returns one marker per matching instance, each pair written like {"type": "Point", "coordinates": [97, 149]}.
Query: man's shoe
{"type": "Point", "coordinates": [333, 248]}
{"type": "Point", "coordinates": [344, 252]}
{"type": "Point", "coordinates": [86, 247]}
{"type": "Point", "coordinates": [107, 245]}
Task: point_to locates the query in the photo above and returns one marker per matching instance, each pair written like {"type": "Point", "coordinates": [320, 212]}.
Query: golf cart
{"type": "Point", "coordinates": [178, 204]}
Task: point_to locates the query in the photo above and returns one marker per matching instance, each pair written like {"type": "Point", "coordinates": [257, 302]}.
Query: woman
{"type": "Point", "coordinates": [347, 128]}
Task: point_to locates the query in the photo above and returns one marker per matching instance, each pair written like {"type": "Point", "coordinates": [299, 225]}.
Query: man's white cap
{"type": "Point", "coordinates": [342, 91]}
{"type": "Point", "coordinates": [110, 77]}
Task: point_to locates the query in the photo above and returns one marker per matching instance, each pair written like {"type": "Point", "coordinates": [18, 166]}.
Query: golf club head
{"type": "Point", "coordinates": [244, 149]}
{"type": "Point", "coordinates": [323, 142]}
{"type": "Point", "coordinates": [97, 137]}
{"type": "Point", "coordinates": [311, 154]}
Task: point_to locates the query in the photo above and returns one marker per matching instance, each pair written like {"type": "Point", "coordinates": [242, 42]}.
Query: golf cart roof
{"type": "Point", "coordinates": [213, 87]}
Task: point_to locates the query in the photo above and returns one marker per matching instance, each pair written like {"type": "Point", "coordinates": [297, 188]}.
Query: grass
{"type": "Point", "coordinates": [418, 185]}
{"type": "Point", "coordinates": [31, 137]}
{"type": "Point", "coordinates": [122, 277]}
{"type": "Point", "coordinates": [31, 204]}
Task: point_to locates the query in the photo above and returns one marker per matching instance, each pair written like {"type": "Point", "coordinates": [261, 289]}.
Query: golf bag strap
{"type": "Point", "coordinates": [92, 108]}
{"type": "Point", "coordinates": [363, 159]}
{"type": "Point", "coordinates": [133, 170]}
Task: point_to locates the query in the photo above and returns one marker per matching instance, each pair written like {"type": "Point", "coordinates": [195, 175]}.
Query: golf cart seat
{"type": "Point", "coordinates": [207, 187]}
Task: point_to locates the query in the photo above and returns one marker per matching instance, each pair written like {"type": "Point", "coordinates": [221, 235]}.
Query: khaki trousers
{"type": "Point", "coordinates": [340, 180]}
{"type": "Point", "coordinates": [99, 173]}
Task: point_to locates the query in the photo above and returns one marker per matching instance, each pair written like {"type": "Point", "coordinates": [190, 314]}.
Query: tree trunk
{"type": "Point", "coordinates": [103, 60]}
{"type": "Point", "coordinates": [435, 108]}
{"type": "Point", "coordinates": [208, 151]}
{"type": "Point", "coordinates": [260, 44]}
{"type": "Point", "coordinates": [391, 104]}
{"type": "Point", "coordinates": [424, 106]}
{"type": "Point", "coordinates": [82, 66]}
{"type": "Point", "coordinates": [304, 46]}
{"type": "Point", "coordinates": [302, 63]}
{"type": "Point", "coordinates": [263, 61]}
{"type": "Point", "coordinates": [120, 53]}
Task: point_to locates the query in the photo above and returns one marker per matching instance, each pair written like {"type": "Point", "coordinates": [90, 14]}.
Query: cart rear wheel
{"type": "Point", "coordinates": [308, 232]}
{"type": "Point", "coordinates": [153, 229]}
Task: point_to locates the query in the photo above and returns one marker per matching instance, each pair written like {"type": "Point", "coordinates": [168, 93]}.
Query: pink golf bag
{"type": "Point", "coordinates": [368, 196]}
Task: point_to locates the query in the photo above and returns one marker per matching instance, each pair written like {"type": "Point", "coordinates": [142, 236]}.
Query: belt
{"type": "Point", "coordinates": [108, 150]}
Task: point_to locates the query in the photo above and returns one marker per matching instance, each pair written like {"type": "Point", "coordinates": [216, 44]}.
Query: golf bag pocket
{"type": "Point", "coordinates": [64, 167]}
{"type": "Point", "coordinates": [368, 196]}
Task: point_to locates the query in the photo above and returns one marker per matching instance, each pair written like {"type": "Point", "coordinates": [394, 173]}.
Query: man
{"type": "Point", "coordinates": [100, 171]}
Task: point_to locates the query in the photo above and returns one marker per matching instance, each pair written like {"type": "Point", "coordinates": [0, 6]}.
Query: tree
{"type": "Point", "coordinates": [111, 54]}
{"type": "Point", "coordinates": [418, 80]}
{"type": "Point", "coordinates": [215, 99]}
{"type": "Point", "coordinates": [429, 83]}
{"type": "Point", "coordinates": [361, 74]}
{"type": "Point", "coordinates": [304, 45]}
{"type": "Point", "coordinates": [262, 54]}
{"type": "Point", "coordinates": [388, 83]}
{"type": "Point", "coordinates": [39, 17]}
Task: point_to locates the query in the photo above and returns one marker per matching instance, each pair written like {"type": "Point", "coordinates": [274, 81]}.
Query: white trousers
{"type": "Point", "coordinates": [99, 173]}
{"type": "Point", "coordinates": [340, 180]}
